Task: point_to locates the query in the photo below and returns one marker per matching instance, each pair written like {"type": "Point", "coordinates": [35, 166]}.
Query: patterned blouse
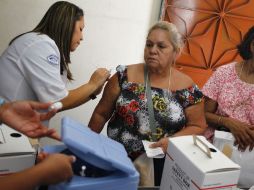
{"type": "Point", "coordinates": [235, 97]}
{"type": "Point", "coordinates": [129, 123]}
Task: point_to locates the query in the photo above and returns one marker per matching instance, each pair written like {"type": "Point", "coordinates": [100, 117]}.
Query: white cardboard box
{"type": "Point", "coordinates": [224, 141]}
{"type": "Point", "coordinates": [16, 151]}
{"type": "Point", "coordinates": [188, 167]}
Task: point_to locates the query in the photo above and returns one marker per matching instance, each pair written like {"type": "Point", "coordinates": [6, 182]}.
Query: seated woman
{"type": "Point", "coordinates": [176, 104]}
{"type": "Point", "coordinates": [230, 97]}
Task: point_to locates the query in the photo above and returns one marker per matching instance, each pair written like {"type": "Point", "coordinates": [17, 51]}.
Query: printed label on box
{"type": "Point", "coordinates": [180, 177]}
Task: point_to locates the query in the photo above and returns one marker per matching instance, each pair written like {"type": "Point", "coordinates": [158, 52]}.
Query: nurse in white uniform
{"type": "Point", "coordinates": [35, 66]}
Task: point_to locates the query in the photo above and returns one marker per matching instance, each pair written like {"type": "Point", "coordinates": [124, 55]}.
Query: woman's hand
{"type": "Point", "coordinates": [242, 132]}
{"type": "Point", "coordinates": [163, 143]}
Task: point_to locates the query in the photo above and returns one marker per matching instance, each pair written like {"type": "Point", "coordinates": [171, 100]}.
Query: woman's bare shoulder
{"type": "Point", "coordinates": [136, 66]}
{"type": "Point", "coordinates": [135, 72]}
{"type": "Point", "coordinates": [183, 80]}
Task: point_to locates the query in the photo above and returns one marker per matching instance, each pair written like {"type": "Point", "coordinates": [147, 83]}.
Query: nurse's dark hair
{"type": "Point", "coordinates": [244, 48]}
{"type": "Point", "coordinates": [59, 23]}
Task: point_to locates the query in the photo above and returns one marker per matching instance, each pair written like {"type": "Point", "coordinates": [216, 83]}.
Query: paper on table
{"type": "Point", "coordinates": [152, 152]}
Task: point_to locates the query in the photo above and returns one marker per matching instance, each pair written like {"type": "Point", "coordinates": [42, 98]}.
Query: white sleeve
{"type": "Point", "coordinates": [40, 64]}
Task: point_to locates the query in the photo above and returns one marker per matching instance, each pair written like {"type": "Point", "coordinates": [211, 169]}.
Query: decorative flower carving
{"type": "Point", "coordinates": [211, 29]}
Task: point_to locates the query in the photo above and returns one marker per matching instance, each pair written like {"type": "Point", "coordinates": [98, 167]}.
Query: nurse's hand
{"type": "Point", "coordinates": [98, 79]}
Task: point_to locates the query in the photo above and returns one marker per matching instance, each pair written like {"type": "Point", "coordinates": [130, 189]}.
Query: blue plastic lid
{"type": "Point", "coordinates": [94, 148]}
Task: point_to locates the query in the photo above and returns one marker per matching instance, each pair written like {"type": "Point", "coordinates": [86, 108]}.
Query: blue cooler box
{"type": "Point", "coordinates": [97, 152]}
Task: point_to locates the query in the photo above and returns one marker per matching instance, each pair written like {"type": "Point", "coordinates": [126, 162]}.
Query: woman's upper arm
{"type": "Point", "coordinates": [106, 105]}
{"type": "Point", "coordinates": [210, 105]}
{"type": "Point", "coordinates": [195, 115]}
{"type": "Point", "coordinates": [109, 96]}
{"type": "Point", "coordinates": [192, 100]}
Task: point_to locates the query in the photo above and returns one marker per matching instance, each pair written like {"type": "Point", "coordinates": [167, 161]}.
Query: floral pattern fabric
{"type": "Point", "coordinates": [235, 97]}
{"type": "Point", "coordinates": [129, 123]}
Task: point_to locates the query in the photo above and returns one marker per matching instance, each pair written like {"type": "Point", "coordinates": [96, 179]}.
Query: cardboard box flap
{"type": "Point", "coordinates": [94, 148]}
{"type": "Point", "coordinates": [13, 142]}
{"type": "Point", "coordinates": [217, 163]}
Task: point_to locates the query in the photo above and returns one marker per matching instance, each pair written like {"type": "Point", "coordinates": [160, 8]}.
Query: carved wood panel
{"type": "Point", "coordinates": [211, 30]}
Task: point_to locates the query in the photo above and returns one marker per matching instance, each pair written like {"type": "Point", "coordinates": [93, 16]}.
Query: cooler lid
{"type": "Point", "coordinates": [94, 148]}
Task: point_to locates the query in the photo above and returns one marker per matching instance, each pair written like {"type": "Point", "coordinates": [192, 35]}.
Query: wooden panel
{"type": "Point", "coordinates": [211, 31]}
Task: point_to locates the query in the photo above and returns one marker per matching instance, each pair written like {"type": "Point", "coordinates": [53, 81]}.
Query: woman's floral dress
{"type": "Point", "coordinates": [235, 97]}
{"type": "Point", "coordinates": [129, 123]}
